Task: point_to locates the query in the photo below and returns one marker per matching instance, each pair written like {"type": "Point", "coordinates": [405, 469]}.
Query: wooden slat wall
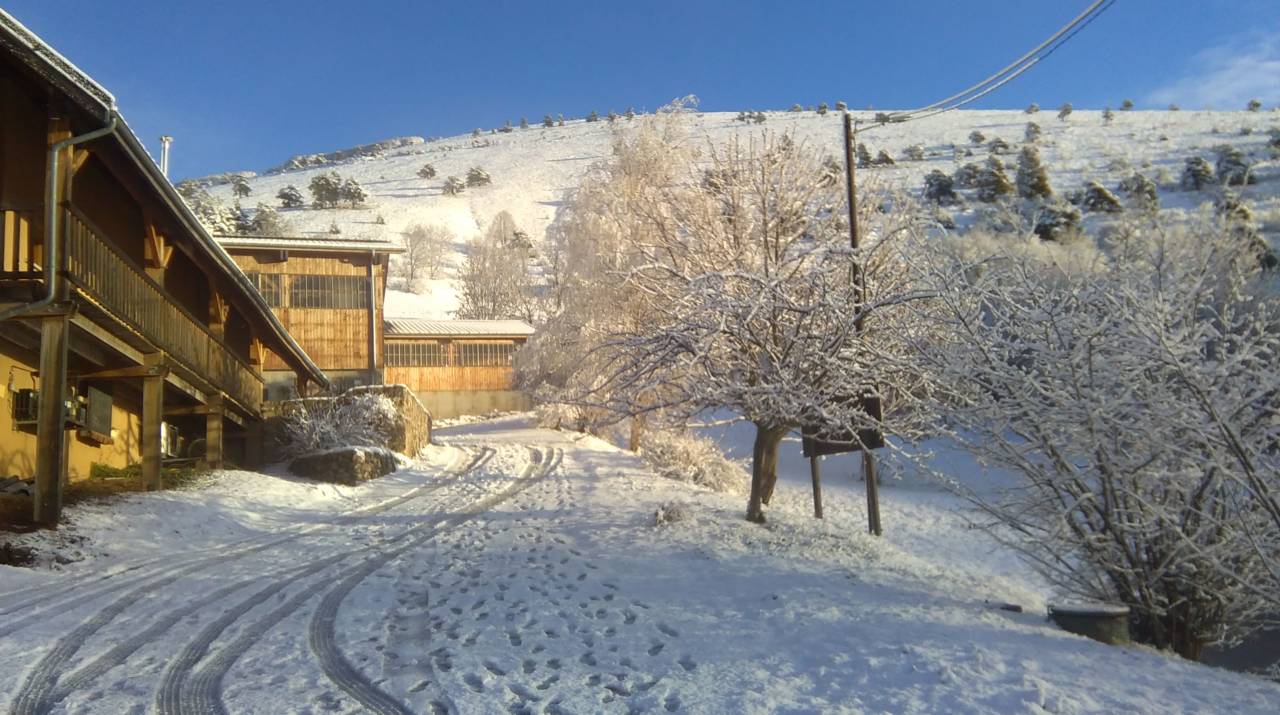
{"type": "Point", "coordinates": [336, 339]}
{"type": "Point", "coordinates": [425, 379]}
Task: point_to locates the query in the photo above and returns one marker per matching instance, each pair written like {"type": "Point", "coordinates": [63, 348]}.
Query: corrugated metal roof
{"type": "Point", "coordinates": [415, 326]}
{"type": "Point", "coordinates": [290, 243]}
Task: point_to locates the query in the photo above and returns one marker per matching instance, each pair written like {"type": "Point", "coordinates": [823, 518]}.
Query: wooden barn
{"type": "Point", "coordinates": [328, 293]}
{"type": "Point", "coordinates": [457, 367]}
{"type": "Point", "coordinates": [123, 324]}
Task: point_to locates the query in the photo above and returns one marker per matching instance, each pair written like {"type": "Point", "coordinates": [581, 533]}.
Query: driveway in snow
{"type": "Point", "coordinates": [519, 570]}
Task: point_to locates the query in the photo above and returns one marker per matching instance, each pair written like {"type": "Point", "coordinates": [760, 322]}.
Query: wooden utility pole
{"type": "Point", "coordinates": [860, 286]}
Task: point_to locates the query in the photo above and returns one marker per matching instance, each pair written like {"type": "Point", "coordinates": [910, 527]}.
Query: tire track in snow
{"type": "Point", "coordinates": [66, 586]}
{"type": "Point", "coordinates": [184, 690]}
{"type": "Point", "coordinates": [42, 690]}
{"type": "Point", "coordinates": [322, 631]}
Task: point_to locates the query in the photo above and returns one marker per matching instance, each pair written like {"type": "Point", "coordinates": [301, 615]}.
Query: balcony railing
{"type": "Point", "coordinates": [116, 283]}
{"type": "Point", "coordinates": [20, 243]}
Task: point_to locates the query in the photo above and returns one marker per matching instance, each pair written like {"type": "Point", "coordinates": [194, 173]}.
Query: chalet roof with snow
{"type": "Point", "coordinates": [310, 243]}
{"type": "Point", "coordinates": [418, 328]}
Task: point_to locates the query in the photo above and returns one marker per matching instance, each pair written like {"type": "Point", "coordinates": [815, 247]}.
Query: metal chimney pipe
{"type": "Point", "coordinates": [165, 141]}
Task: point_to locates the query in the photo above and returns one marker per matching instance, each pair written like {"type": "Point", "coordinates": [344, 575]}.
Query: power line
{"type": "Point", "coordinates": [1010, 72]}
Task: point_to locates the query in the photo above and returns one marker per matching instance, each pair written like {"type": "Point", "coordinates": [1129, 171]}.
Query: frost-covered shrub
{"type": "Point", "coordinates": [1108, 116]}
{"type": "Point", "coordinates": [1033, 180]}
{"type": "Point", "coordinates": [1057, 222]}
{"type": "Point", "coordinates": [1126, 105]}
{"type": "Point", "coordinates": [558, 415]}
{"type": "Point", "coordinates": [992, 182]}
{"type": "Point", "coordinates": [1064, 111]}
{"type": "Point", "coordinates": [1098, 199]}
{"type": "Point", "coordinates": [998, 146]}
{"type": "Point", "coordinates": [822, 108]}
{"type": "Point", "coordinates": [291, 198]}
{"type": "Point", "coordinates": [689, 458]}
{"type": "Point", "coordinates": [352, 192]}
{"type": "Point", "coordinates": [1141, 192]}
{"type": "Point", "coordinates": [939, 188]}
{"type": "Point", "coordinates": [594, 116]}
{"type": "Point", "coordinates": [1032, 132]}
{"type": "Point", "coordinates": [915, 152]}
{"type": "Point", "coordinates": [977, 137]}
{"type": "Point", "coordinates": [1254, 105]}
{"type": "Point", "coordinates": [966, 177]}
{"type": "Point", "coordinates": [864, 156]}
{"type": "Point", "coordinates": [1032, 108]}
{"type": "Point", "coordinates": [841, 106]}
{"type": "Point", "coordinates": [672, 512]}
{"type": "Point", "coordinates": [1197, 174]}
{"type": "Point", "coordinates": [883, 159]}
{"type": "Point", "coordinates": [1232, 167]}
{"type": "Point", "coordinates": [428, 171]}
{"type": "Point", "coordinates": [796, 108]}
{"type": "Point", "coordinates": [453, 186]}
{"type": "Point", "coordinates": [477, 177]}
{"type": "Point", "coordinates": [315, 425]}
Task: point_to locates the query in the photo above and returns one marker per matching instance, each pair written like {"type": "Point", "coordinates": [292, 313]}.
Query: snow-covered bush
{"type": "Point", "coordinates": [558, 416]}
{"type": "Point", "coordinates": [1141, 192]}
{"type": "Point", "coordinates": [688, 458]}
{"type": "Point", "coordinates": [822, 108]}
{"type": "Point", "coordinates": [998, 146]}
{"type": "Point", "coordinates": [326, 189]}
{"type": "Point", "coordinates": [672, 512]}
{"type": "Point", "coordinates": [966, 177]}
{"type": "Point", "coordinates": [1126, 105]}
{"type": "Point", "coordinates": [1032, 108]}
{"type": "Point", "coordinates": [939, 188]}
{"type": "Point", "coordinates": [1232, 167]}
{"type": "Point", "coordinates": [1133, 397]}
{"type": "Point", "coordinates": [1032, 132]}
{"type": "Point", "coordinates": [1058, 222]}
{"type": "Point", "coordinates": [915, 152]}
{"type": "Point", "coordinates": [864, 156]}
{"type": "Point", "coordinates": [318, 424]}
{"type": "Point", "coordinates": [291, 198]}
{"type": "Point", "coordinates": [1098, 199]}
{"type": "Point", "coordinates": [883, 159]}
{"type": "Point", "coordinates": [1254, 105]}
{"type": "Point", "coordinates": [992, 183]}
{"type": "Point", "coordinates": [1108, 116]}
{"type": "Point", "coordinates": [977, 137]}
{"type": "Point", "coordinates": [1064, 111]}
{"type": "Point", "coordinates": [352, 192]}
{"type": "Point", "coordinates": [477, 177]}
{"type": "Point", "coordinates": [453, 186]}
{"type": "Point", "coordinates": [428, 171]}
{"type": "Point", "coordinates": [1197, 174]}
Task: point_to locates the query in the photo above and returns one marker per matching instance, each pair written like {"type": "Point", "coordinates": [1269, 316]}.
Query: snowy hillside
{"type": "Point", "coordinates": [533, 169]}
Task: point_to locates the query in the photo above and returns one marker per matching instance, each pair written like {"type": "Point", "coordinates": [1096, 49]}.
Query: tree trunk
{"type": "Point", "coordinates": [764, 469]}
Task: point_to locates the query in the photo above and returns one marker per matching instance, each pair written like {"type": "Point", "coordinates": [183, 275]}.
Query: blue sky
{"type": "Point", "coordinates": [246, 84]}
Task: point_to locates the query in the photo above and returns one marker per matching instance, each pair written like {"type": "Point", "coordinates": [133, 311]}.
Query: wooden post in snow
{"type": "Point", "coordinates": [868, 456]}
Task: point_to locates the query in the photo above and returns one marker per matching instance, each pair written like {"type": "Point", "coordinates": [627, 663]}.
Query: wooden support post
{"type": "Point", "coordinates": [815, 474]}
{"type": "Point", "coordinates": [51, 463]}
{"type": "Point", "coordinates": [873, 491]}
{"type": "Point", "coordinates": [152, 416]}
{"type": "Point", "coordinates": [213, 433]}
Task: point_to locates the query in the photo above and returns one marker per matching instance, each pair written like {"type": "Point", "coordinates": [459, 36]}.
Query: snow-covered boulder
{"type": "Point", "coordinates": [346, 465]}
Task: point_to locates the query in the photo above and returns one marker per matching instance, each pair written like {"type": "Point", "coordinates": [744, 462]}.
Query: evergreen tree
{"type": "Point", "coordinates": [325, 189]}
{"type": "Point", "coordinates": [475, 132]}
{"type": "Point", "coordinates": [822, 108]}
{"type": "Point", "coordinates": [1032, 132]}
{"type": "Point", "coordinates": [883, 159]}
{"type": "Point", "coordinates": [864, 156]}
{"type": "Point", "coordinates": [939, 188]}
{"type": "Point", "coordinates": [266, 222]}
{"type": "Point", "coordinates": [477, 177]}
{"type": "Point", "coordinates": [559, 120]}
{"type": "Point", "coordinates": [977, 137]}
{"type": "Point", "coordinates": [631, 113]}
{"type": "Point", "coordinates": [1064, 111]}
{"type": "Point", "coordinates": [453, 186]}
{"type": "Point", "coordinates": [547, 121]}
{"type": "Point", "coordinates": [428, 171]}
{"type": "Point", "coordinates": [1098, 199]}
{"type": "Point", "coordinates": [759, 118]}
{"type": "Point", "coordinates": [1033, 180]}
{"type": "Point", "coordinates": [242, 220]}
{"type": "Point", "coordinates": [1197, 174]}
{"type": "Point", "coordinates": [1032, 108]}
{"type": "Point", "coordinates": [1108, 116]}
{"type": "Point", "coordinates": [612, 116]}
{"type": "Point", "coordinates": [992, 182]}
{"type": "Point", "coordinates": [352, 192]}
{"type": "Point", "coordinates": [1141, 192]}
{"type": "Point", "coordinates": [998, 146]}
{"type": "Point", "coordinates": [841, 107]}
{"type": "Point", "coordinates": [1057, 222]}
{"type": "Point", "coordinates": [1126, 105]}
{"type": "Point", "coordinates": [966, 177]}
{"type": "Point", "coordinates": [1174, 108]}
{"type": "Point", "coordinates": [796, 108]}
{"type": "Point", "coordinates": [507, 128]}
{"type": "Point", "coordinates": [524, 122]}
{"type": "Point", "coordinates": [291, 198]}
{"type": "Point", "coordinates": [333, 228]}
{"type": "Point", "coordinates": [240, 186]}
{"type": "Point", "coordinates": [1254, 105]}
{"type": "Point", "coordinates": [593, 116]}
{"type": "Point", "coordinates": [915, 152]}
{"type": "Point", "coordinates": [1232, 167]}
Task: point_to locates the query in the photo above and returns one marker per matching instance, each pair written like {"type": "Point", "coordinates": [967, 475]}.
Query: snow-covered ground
{"type": "Point", "coordinates": [520, 570]}
{"type": "Point", "coordinates": [534, 169]}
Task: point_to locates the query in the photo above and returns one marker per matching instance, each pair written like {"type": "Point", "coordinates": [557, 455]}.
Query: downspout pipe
{"type": "Point", "coordinates": [51, 257]}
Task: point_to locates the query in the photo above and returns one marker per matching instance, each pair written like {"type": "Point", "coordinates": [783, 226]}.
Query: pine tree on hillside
{"type": "Point", "coordinates": [352, 192]}
{"type": "Point", "coordinates": [998, 146]}
{"type": "Point", "coordinates": [1108, 116]}
{"type": "Point", "coordinates": [453, 186]}
{"type": "Point", "coordinates": [1032, 108]}
{"type": "Point", "coordinates": [822, 108]}
{"type": "Point", "coordinates": [1032, 179]}
{"type": "Point", "coordinates": [266, 222]}
{"type": "Point", "coordinates": [325, 189]}
{"type": "Point", "coordinates": [1057, 222]}
{"type": "Point", "coordinates": [1197, 174]}
{"type": "Point", "coordinates": [1032, 132]}
{"type": "Point", "coordinates": [1232, 167]}
{"type": "Point", "coordinates": [631, 113]}
{"type": "Point", "coordinates": [864, 156]}
{"type": "Point", "coordinates": [547, 121]}
{"type": "Point", "coordinates": [1098, 199]}
{"type": "Point", "coordinates": [1141, 192]}
{"type": "Point", "coordinates": [966, 177]}
{"type": "Point", "coordinates": [240, 186]}
{"type": "Point", "coordinates": [1064, 111]}
{"type": "Point", "coordinates": [796, 108]}
{"type": "Point", "coordinates": [593, 116]}
{"type": "Point", "coordinates": [1254, 105]}
{"type": "Point", "coordinates": [560, 120]}
{"type": "Point", "coordinates": [992, 182]}
{"type": "Point", "coordinates": [477, 177]}
{"type": "Point", "coordinates": [939, 188]}
{"type": "Point", "coordinates": [612, 116]}
{"type": "Point", "coordinates": [883, 159]}
{"type": "Point", "coordinates": [428, 171]}
{"type": "Point", "coordinates": [976, 137]}
{"type": "Point", "coordinates": [915, 152]}
{"type": "Point", "coordinates": [1126, 105]}
{"type": "Point", "coordinates": [475, 132]}
{"type": "Point", "coordinates": [507, 128]}
{"type": "Point", "coordinates": [524, 122]}
{"type": "Point", "coordinates": [1174, 108]}
{"type": "Point", "coordinates": [291, 198]}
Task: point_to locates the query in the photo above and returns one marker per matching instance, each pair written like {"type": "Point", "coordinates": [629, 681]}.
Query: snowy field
{"type": "Point", "coordinates": [520, 570]}
{"type": "Point", "coordinates": [534, 169]}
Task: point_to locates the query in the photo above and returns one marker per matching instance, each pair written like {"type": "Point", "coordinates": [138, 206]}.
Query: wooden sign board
{"type": "Point", "coordinates": [818, 441]}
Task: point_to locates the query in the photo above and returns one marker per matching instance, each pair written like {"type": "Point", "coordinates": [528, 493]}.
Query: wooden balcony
{"type": "Point", "coordinates": [110, 283]}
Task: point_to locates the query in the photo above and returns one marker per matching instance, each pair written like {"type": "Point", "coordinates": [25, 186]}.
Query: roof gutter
{"type": "Point", "coordinates": [52, 244]}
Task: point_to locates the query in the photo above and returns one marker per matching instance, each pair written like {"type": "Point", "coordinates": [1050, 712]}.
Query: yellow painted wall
{"type": "Point", "coordinates": [18, 447]}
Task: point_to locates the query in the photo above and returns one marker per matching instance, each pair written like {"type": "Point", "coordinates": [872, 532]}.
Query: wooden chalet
{"type": "Point", "coordinates": [457, 367]}
{"type": "Point", "coordinates": [328, 293]}
{"type": "Point", "coordinates": [122, 322]}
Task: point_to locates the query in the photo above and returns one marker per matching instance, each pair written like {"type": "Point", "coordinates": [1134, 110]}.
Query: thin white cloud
{"type": "Point", "coordinates": [1227, 76]}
